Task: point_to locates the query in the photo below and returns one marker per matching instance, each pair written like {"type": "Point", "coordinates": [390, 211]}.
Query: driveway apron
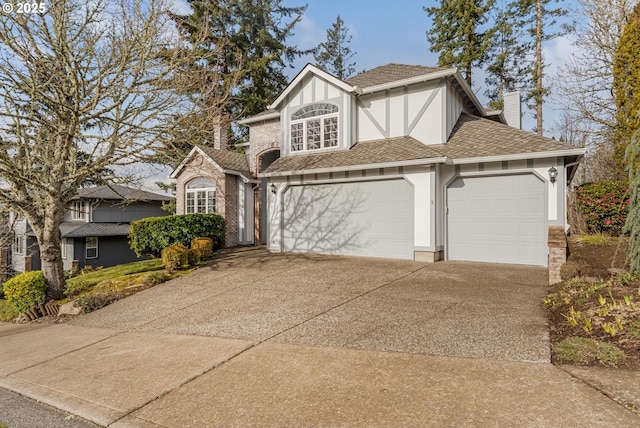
{"type": "Point", "coordinates": [260, 339]}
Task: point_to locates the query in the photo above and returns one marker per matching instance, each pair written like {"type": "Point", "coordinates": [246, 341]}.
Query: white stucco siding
{"type": "Point", "coordinates": [396, 112]}
{"type": "Point", "coordinates": [424, 114]}
{"type": "Point", "coordinates": [556, 191]}
{"type": "Point", "coordinates": [371, 117]}
{"type": "Point", "coordinates": [314, 89]}
{"type": "Point", "coordinates": [423, 202]}
{"type": "Point", "coordinates": [453, 106]}
{"type": "Point", "coordinates": [415, 110]}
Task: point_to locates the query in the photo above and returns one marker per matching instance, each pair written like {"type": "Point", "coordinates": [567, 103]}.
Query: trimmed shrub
{"type": "Point", "coordinates": [75, 288]}
{"type": "Point", "coordinates": [150, 235]}
{"type": "Point", "coordinates": [603, 205]}
{"type": "Point", "coordinates": [174, 257]}
{"type": "Point", "coordinates": [26, 290]}
{"type": "Point", "coordinates": [204, 245]}
{"type": "Point", "coordinates": [193, 256]}
{"type": "Point", "coordinates": [91, 302]}
{"type": "Point", "coordinates": [155, 278]}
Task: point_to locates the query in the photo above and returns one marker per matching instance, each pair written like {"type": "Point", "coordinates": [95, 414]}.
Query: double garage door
{"type": "Point", "coordinates": [367, 218]}
{"type": "Point", "coordinates": [498, 219]}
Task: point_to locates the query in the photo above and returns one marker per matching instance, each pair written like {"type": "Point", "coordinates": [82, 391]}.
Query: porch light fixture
{"type": "Point", "coordinates": [273, 188]}
{"type": "Point", "coordinates": [553, 174]}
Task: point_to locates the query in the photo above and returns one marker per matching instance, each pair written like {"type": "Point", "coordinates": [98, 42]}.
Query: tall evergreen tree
{"type": "Point", "coordinates": [456, 33]}
{"type": "Point", "coordinates": [632, 225]}
{"type": "Point", "coordinates": [250, 41]}
{"type": "Point", "coordinates": [333, 55]}
{"type": "Point", "coordinates": [506, 69]}
{"type": "Point", "coordinates": [626, 89]}
{"type": "Point", "coordinates": [541, 22]}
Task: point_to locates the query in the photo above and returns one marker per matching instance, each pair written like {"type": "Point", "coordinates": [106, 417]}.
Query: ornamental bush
{"type": "Point", "coordinates": [193, 256]}
{"type": "Point", "coordinates": [25, 290]}
{"type": "Point", "coordinates": [603, 205]}
{"type": "Point", "coordinates": [150, 235]}
{"type": "Point", "coordinates": [204, 245]}
{"type": "Point", "coordinates": [174, 257]}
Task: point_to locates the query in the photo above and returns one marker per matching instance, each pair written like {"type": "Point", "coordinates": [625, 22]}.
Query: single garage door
{"type": "Point", "coordinates": [498, 219]}
{"type": "Point", "coordinates": [369, 218]}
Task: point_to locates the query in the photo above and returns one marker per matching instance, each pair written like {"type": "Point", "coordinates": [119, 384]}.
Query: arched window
{"type": "Point", "coordinates": [314, 127]}
{"type": "Point", "coordinates": [200, 196]}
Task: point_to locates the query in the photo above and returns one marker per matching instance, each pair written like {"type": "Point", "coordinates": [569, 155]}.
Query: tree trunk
{"type": "Point", "coordinates": [539, 89]}
{"type": "Point", "coordinates": [53, 270]}
{"type": "Point", "coordinates": [49, 243]}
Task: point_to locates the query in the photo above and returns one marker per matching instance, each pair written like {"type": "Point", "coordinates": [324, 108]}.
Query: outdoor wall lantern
{"type": "Point", "coordinates": [273, 188]}
{"type": "Point", "coordinates": [553, 174]}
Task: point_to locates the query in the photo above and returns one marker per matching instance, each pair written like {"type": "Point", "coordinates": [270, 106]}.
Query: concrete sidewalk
{"type": "Point", "coordinates": [279, 340]}
{"type": "Point", "coordinates": [124, 379]}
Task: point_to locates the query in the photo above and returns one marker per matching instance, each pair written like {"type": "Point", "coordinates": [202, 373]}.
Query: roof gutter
{"type": "Point", "coordinates": [260, 118]}
{"type": "Point", "coordinates": [412, 162]}
{"type": "Point", "coordinates": [520, 156]}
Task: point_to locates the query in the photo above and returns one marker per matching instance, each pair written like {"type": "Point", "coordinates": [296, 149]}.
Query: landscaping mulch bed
{"type": "Point", "coordinates": [593, 310]}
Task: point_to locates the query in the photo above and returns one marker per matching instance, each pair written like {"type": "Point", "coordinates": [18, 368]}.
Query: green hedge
{"type": "Point", "coordinates": [603, 205]}
{"type": "Point", "coordinates": [150, 235]}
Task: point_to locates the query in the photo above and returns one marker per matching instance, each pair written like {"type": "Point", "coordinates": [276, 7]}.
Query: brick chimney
{"type": "Point", "coordinates": [221, 134]}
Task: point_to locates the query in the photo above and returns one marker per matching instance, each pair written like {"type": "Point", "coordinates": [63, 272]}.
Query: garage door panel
{"type": "Point", "coordinates": [372, 218]}
{"type": "Point", "coordinates": [497, 219]}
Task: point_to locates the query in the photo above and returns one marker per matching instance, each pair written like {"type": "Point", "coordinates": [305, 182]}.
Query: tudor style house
{"type": "Point", "coordinates": [400, 161]}
{"type": "Point", "coordinates": [94, 230]}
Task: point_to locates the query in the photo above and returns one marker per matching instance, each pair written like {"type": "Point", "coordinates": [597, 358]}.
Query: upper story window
{"type": "Point", "coordinates": [18, 246]}
{"type": "Point", "coordinates": [78, 211]}
{"type": "Point", "coordinates": [200, 196]}
{"type": "Point", "coordinates": [314, 127]}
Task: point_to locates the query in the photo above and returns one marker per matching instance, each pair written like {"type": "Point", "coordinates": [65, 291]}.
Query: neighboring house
{"type": "Point", "coordinates": [94, 229]}
{"type": "Point", "coordinates": [400, 161]}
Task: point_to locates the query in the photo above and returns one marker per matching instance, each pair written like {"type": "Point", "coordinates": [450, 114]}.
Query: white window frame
{"type": "Point", "coordinates": [18, 244]}
{"type": "Point", "coordinates": [200, 196]}
{"type": "Point", "coordinates": [78, 210]}
{"type": "Point", "coordinates": [310, 116]}
{"type": "Point", "coordinates": [63, 248]}
{"type": "Point", "coordinates": [93, 247]}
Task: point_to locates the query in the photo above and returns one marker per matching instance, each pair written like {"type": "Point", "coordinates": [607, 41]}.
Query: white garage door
{"type": "Point", "coordinates": [497, 219]}
{"type": "Point", "coordinates": [370, 218]}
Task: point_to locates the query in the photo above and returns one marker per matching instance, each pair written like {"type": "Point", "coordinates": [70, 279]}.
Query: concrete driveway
{"type": "Point", "coordinates": [451, 308]}
{"type": "Point", "coordinates": [259, 339]}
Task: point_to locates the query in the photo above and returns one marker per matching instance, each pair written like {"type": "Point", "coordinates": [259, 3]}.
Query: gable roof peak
{"type": "Point", "coordinates": [390, 73]}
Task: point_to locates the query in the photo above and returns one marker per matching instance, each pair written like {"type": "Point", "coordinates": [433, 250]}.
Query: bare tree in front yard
{"type": "Point", "coordinates": [84, 86]}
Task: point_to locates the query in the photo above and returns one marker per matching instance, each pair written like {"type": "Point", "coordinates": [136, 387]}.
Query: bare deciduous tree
{"type": "Point", "coordinates": [585, 83]}
{"type": "Point", "coordinates": [98, 79]}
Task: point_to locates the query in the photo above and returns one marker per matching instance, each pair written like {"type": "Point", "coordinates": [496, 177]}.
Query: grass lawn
{"type": "Point", "coordinates": [93, 278]}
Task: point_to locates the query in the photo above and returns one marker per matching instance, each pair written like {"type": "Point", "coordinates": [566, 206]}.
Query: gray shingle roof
{"type": "Point", "coordinates": [70, 230]}
{"type": "Point", "coordinates": [118, 192]}
{"type": "Point", "coordinates": [390, 73]}
{"type": "Point", "coordinates": [363, 153]}
{"type": "Point", "coordinates": [474, 137]}
{"type": "Point", "coordinates": [228, 160]}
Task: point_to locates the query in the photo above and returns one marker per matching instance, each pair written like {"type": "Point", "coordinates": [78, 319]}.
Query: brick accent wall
{"type": "Point", "coordinates": [4, 257]}
{"type": "Point", "coordinates": [231, 210]}
{"type": "Point", "coordinates": [557, 253]}
{"type": "Point", "coordinates": [263, 136]}
{"type": "Point", "coordinates": [226, 194]}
